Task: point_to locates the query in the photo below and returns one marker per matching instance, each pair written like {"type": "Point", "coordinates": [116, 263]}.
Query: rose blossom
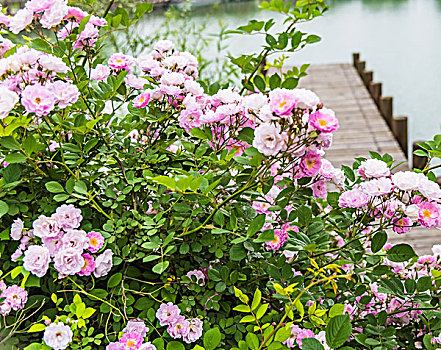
{"type": "Point", "coordinates": [280, 237]}
{"type": "Point", "coordinates": [311, 163]}
{"type": "Point", "coordinates": [190, 118]}
{"type": "Point", "coordinates": [306, 99]}
{"type": "Point", "coordinates": [68, 217]}
{"type": "Point", "coordinates": [378, 187]}
{"type": "Point", "coordinates": [53, 63]}
{"type": "Point", "coordinates": [68, 261]}
{"type": "Point", "coordinates": [100, 72]}
{"type": "Point", "coordinates": [373, 168]}
{"type": "Point", "coordinates": [54, 14]}
{"type": "Point", "coordinates": [179, 328]}
{"type": "Point", "coordinates": [38, 99]}
{"type": "Point", "coordinates": [17, 229]}
{"type": "Point", "coordinates": [65, 93]}
{"type": "Point", "coordinates": [268, 139]}
{"type": "Point", "coordinates": [131, 341]}
{"type": "Point", "coordinates": [324, 120]}
{"type": "Point", "coordinates": [163, 45]}
{"type": "Point", "coordinates": [136, 326]}
{"type": "Point", "coordinates": [89, 265]}
{"type": "Point", "coordinates": [8, 100]}
{"type": "Point", "coordinates": [147, 346]}
{"type": "Point", "coordinates": [39, 5]}
{"type": "Point", "coordinates": [15, 296]}
{"type": "Point", "coordinates": [36, 260]}
{"type": "Point", "coordinates": [103, 263]}
{"type": "Point", "coordinates": [57, 336]}
{"type": "Point", "coordinates": [353, 199]}
{"type": "Point", "coordinates": [46, 226]}
{"type": "Point", "coordinates": [428, 214]}
{"type": "Point", "coordinates": [21, 20]}
{"type": "Point", "coordinates": [54, 244]}
{"type": "Point", "coordinates": [319, 189]}
{"type": "Point", "coordinates": [141, 100]}
{"type": "Point", "coordinates": [115, 346]}
{"type": "Point", "coordinates": [429, 189]}
{"type": "Point", "coordinates": [96, 241]}
{"type": "Point", "coordinates": [282, 101]}
{"type": "Point", "coordinates": [118, 61]}
{"type": "Point", "coordinates": [406, 180]}
{"type": "Point", "coordinates": [76, 239]}
{"type": "Point", "coordinates": [195, 331]}
{"type": "Point", "coordinates": [167, 313]}
{"type": "Point", "coordinates": [87, 37]}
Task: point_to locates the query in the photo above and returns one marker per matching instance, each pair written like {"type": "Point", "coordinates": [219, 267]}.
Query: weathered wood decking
{"type": "Point", "coordinates": [362, 129]}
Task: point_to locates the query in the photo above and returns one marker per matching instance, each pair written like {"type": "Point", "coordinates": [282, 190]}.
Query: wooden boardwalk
{"type": "Point", "coordinates": [362, 129]}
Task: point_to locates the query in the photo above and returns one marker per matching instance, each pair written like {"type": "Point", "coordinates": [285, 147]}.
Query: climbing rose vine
{"type": "Point", "coordinates": [144, 208]}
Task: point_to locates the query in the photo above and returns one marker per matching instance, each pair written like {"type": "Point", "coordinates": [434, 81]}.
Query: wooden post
{"type": "Point", "coordinates": [386, 109]}
{"type": "Point", "coordinates": [418, 162]}
{"type": "Point", "coordinates": [367, 76]}
{"type": "Point", "coordinates": [361, 66]}
{"type": "Point", "coordinates": [375, 90]}
{"type": "Point", "coordinates": [355, 59]}
{"type": "Point", "coordinates": [399, 129]}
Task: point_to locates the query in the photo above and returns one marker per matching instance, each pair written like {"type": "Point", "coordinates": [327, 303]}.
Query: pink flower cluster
{"type": "Point", "coordinates": [57, 239]}
{"type": "Point", "coordinates": [15, 298]}
{"type": "Point", "coordinates": [133, 338]}
{"type": "Point", "coordinates": [189, 329]}
{"type": "Point", "coordinates": [298, 334]}
{"type": "Point", "coordinates": [404, 198]}
{"type": "Point", "coordinates": [32, 75]}
{"type": "Point", "coordinates": [199, 275]}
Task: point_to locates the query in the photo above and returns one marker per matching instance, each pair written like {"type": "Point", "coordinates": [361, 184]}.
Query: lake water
{"type": "Point", "coordinates": [399, 39]}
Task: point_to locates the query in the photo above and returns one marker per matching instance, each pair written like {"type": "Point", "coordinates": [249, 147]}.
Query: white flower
{"type": "Point", "coordinates": [172, 78]}
{"type": "Point", "coordinates": [374, 168]}
{"type": "Point", "coordinates": [412, 211]}
{"type": "Point", "coordinates": [306, 98]}
{"type": "Point", "coordinates": [21, 20]}
{"type": "Point", "coordinates": [193, 87]}
{"type": "Point", "coordinates": [254, 102]}
{"type": "Point", "coordinates": [339, 178]}
{"type": "Point", "coordinates": [8, 99]}
{"type": "Point", "coordinates": [163, 45]}
{"type": "Point", "coordinates": [53, 63]}
{"type": "Point", "coordinates": [377, 187]}
{"type": "Point", "coordinates": [54, 15]}
{"type": "Point", "coordinates": [436, 250]}
{"type": "Point", "coordinates": [57, 336]}
{"type": "Point", "coordinates": [17, 229]}
{"type": "Point", "coordinates": [268, 139]}
{"type": "Point", "coordinates": [46, 227]}
{"type": "Point", "coordinates": [429, 189]}
{"type": "Point", "coordinates": [406, 180]}
{"type": "Point", "coordinates": [103, 263]}
{"type": "Point", "coordinates": [228, 96]}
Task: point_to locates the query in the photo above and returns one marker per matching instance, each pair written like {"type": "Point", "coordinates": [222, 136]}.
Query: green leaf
{"type": "Point", "coordinates": [15, 158]}
{"type": "Point", "coordinates": [160, 267]}
{"type": "Point", "coordinates": [114, 280]}
{"type": "Point", "coordinates": [336, 310]}
{"type": "Point", "coordinates": [4, 208]}
{"type": "Point", "coordinates": [338, 331]}
{"type": "Point", "coordinates": [37, 328]}
{"type": "Point", "coordinates": [175, 345]}
{"type": "Point", "coordinates": [313, 39]}
{"type": "Point", "coordinates": [265, 236]}
{"type": "Point", "coordinates": [199, 133]}
{"type": "Point", "coordinates": [31, 145]}
{"type": "Point", "coordinates": [290, 83]}
{"type": "Point", "coordinates": [256, 225]}
{"type": "Point", "coordinates": [10, 143]}
{"type": "Point", "coordinates": [260, 83]}
{"type": "Point", "coordinates": [304, 214]}
{"type": "Point", "coordinates": [274, 81]}
{"type": "Point", "coordinates": [212, 338]}
{"type": "Point", "coordinates": [252, 341]}
{"type": "Point", "coordinates": [282, 334]}
{"type": "Point", "coordinates": [165, 180]}
{"type": "Point", "coordinates": [311, 344]}
{"type": "Point", "coordinates": [54, 187]}
{"type": "Point", "coordinates": [80, 187]}
{"type": "Point", "coordinates": [237, 252]}
{"type": "Point", "coordinates": [141, 9]}
{"type": "Point", "coordinates": [378, 241]}
{"type": "Point", "coordinates": [256, 299]}
{"type": "Point", "coordinates": [424, 283]}
{"type": "Point", "coordinates": [400, 253]}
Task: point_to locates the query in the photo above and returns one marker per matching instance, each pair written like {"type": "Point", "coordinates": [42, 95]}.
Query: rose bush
{"type": "Point", "coordinates": [143, 208]}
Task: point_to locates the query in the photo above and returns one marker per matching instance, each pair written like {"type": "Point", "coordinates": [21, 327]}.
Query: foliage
{"type": "Point", "coordinates": [209, 223]}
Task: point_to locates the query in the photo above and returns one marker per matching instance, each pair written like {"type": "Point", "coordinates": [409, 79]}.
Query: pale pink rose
{"type": "Point", "coordinates": [103, 263]}
{"type": "Point", "coordinates": [135, 82]}
{"type": "Point", "coordinates": [54, 14]}
{"type": "Point", "coordinates": [429, 189]}
{"type": "Point", "coordinates": [172, 78]}
{"type": "Point", "coordinates": [118, 61]}
{"type": "Point", "coordinates": [68, 261]}
{"type": "Point", "coordinates": [406, 180]}
{"type": "Point", "coordinates": [319, 189]}
{"type": "Point", "coordinates": [89, 265]}
{"type": "Point", "coordinates": [179, 328]}
{"type": "Point", "coordinates": [100, 72]}
{"type": "Point", "coordinates": [57, 336]}
{"type": "Point", "coordinates": [21, 20]}
{"type": "Point", "coordinates": [17, 229]}
{"type": "Point", "coordinates": [68, 217]}
{"type": "Point", "coordinates": [378, 187]}
{"type": "Point", "coordinates": [8, 99]}
{"type": "Point", "coordinates": [53, 63]}
{"type": "Point", "coordinates": [353, 199]}
{"type": "Point", "coordinates": [75, 239]}
{"type": "Point", "coordinates": [324, 120]}
{"type": "Point", "coordinates": [87, 37]}
{"type": "Point", "coordinates": [306, 99]}
{"type": "Point", "coordinates": [38, 99]}
{"type": "Point", "coordinates": [39, 5]}
{"type": "Point", "coordinates": [193, 87]}
{"type": "Point", "coordinates": [373, 168]}
{"type": "Point", "coordinates": [195, 331]}
{"type": "Point", "coordinates": [190, 119]}
{"type": "Point", "coordinates": [268, 139]}
{"type": "Point", "coordinates": [36, 260]}
{"type": "Point", "coordinates": [163, 45]}
{"type": "Point", "coordinates": [282, 101]}
{"type": "Point", "coordinates": [46, 226]}
{"type": "Point", "coordinates": [65, 93]}
{"type": "Point", "coordinates": [141, 100]}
